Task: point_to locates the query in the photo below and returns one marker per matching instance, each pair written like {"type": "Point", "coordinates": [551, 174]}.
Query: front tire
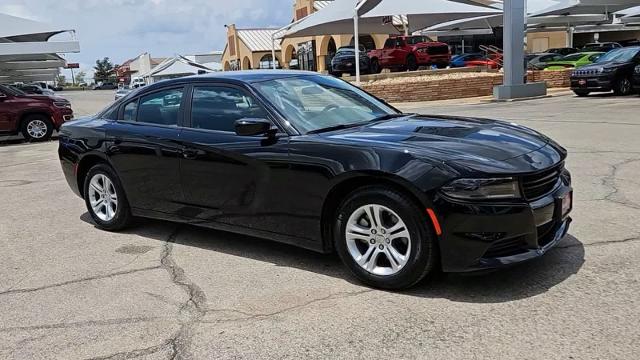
{"type": "Point", "coordinates": [383, 238]}
{"type": "Point", "coordinates": [105, 199]}
{"type": "Point", "coordinates": [375, 66]}
{"type": "Point", "coordinates": [412, 63]}
{"type": "Point", "coordinates": [623, 87]}
{"type": "Point", "coordinates": [37, 128]}
{"type": "Point", "coordinates": [581, 93]}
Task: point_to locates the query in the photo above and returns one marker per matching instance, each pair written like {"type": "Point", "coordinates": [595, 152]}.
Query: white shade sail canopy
{"type": "Point", "coordinates": [26, 54]}
{"type": "Point", "coordinates": [337, 18]}
{"type": "Point", "coordinates": [586, 7]}
{"type": "Point", "coordinates": [24, 30]}
{"type": "Point", "coordinates": [631, 16]}
{"type": "Point", "coordinates": [423, 14]}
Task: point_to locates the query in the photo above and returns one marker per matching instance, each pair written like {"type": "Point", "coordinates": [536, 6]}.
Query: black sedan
{"type": "Point", "coordinates": [344, 61]}
{"type": "Point", "coordinates": [313, 161]}
{"type": "Point", "coordinates": [613, 71]}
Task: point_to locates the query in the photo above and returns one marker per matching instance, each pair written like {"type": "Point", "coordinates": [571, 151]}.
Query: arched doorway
{"type": "Point", "coordinates": [290, 54]}
{"type": "Point", "coordinates": [328, 50]}
{"type": "Point", "coordinates": [227, 66]}
{"type": "Point", "coordinates": [365, 41]}
{"type": "Point", "coordinates": [266, 62]}
{"type": "Point", "coordinates": [246, 63]}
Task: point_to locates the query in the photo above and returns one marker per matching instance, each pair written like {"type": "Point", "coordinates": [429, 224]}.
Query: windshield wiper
{"type": "Point", "coordinates": [336, 127]}
{"type": "Point", "coordinates": [390, 116]}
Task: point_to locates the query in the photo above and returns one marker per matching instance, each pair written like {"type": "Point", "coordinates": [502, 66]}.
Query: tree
{"type": "Point", "coordinates": [80, 77]}
{"type": "Point", "coordinates": [104, 70]}
{"type": "Point", "coordinates": [61, 80]}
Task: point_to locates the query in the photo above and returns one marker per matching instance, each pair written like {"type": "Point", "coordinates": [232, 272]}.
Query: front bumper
{"type": "Point", "coordinates": [489, 236]}
{"type": "Point", "coordinates": [60, 116]}
{"type": "Point", "coordinates": [592, 83]}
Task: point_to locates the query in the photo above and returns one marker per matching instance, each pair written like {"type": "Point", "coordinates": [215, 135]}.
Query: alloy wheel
{"type": "Point", "coordinates": [103, 197]}
{"type": "Point", "coordinates": [625, 86]}
{"type": "Point", "coordinates": [378, 239]}
{"type": "Point", "coordinates": [37, 129]}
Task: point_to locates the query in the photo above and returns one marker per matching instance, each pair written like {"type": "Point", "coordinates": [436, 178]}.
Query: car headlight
{"type": "Point", "coordinates": [483, 189]}
{"type": "Point", "coordinates": [62, 104]}
{"type": "Point", "coordinates": [604, 70]}
{"type": "Point", "coordinates": [637, 70]}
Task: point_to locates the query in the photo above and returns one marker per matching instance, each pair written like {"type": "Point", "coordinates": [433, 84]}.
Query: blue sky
{"type": "Point", "coordinates": [121, 29]}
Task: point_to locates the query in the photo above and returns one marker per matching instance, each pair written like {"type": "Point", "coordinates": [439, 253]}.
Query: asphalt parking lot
{"type": "Point", "coordinates": [161, 290]}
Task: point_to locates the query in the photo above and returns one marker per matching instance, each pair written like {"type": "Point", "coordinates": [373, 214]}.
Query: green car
{"type": "Point", "coordinates": [574, 60]}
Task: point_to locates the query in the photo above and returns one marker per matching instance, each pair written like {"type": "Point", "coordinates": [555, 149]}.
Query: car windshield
{"type": "Point", "coordinates": [315, 102]}
{"type": "Point", "coordinates": [619, 55]}
{"type": "Point", "coordinates": [573, 57]}
{"type": "Point", "coordinates": [12, 90]}
{"type": "Point", "coordinates": [412, 40]}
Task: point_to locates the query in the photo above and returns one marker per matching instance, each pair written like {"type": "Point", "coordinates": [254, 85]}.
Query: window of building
{"type": "Point", "coordinates": [266, 62]}
{"type": "Point", "coordinates": [218, 108]}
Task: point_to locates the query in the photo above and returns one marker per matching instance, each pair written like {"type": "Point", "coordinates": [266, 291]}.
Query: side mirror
{"type": "Point", "coordinates": [252, 127]}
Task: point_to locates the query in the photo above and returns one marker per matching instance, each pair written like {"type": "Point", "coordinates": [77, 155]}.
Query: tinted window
{"type": "Point", "coordinates": [160, 108]}
{"type": "Point", "coordinates": [318, 102]}
{"type": "Point", "coordinates": [130, 111]}
{"type": "Point", "coordinates": [389, 44]}
{"type": "Point", "coordinates": [218, 108]}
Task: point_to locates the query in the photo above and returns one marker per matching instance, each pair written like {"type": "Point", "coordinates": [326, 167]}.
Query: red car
{"type": "Point", "coordinates": [410, 52]}
{"type": "Point", "coordinates": [492, 62]}
{"type": "Point", "coordinates": [35, 116]}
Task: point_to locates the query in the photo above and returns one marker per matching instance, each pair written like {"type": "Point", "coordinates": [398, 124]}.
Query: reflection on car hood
{"type": "Point", "coordinates": [444, 138]}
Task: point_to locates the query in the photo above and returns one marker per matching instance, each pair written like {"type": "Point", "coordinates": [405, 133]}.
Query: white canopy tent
{"type": "Point", "coordinates": [177, 66]}
{"type": "Point", "coordinates": [585, 7]}
{"type": "Point", "coordinates": [631, 16]}
{"type": "Point", "coordinates": [26, 54]}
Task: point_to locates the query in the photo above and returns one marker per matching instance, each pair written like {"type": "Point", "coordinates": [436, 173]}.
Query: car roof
{"type": "Point", "coordinates": [243, 76]}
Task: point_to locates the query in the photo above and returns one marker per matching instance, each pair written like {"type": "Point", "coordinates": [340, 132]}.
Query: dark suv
{"type": "Point", "coordinates": [35, 116]}
{"type": "Point", "coordinates": [613, 71]}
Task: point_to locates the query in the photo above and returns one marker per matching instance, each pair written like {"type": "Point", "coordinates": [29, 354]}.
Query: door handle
{"type": "Point", "coordinates": [190, 154]}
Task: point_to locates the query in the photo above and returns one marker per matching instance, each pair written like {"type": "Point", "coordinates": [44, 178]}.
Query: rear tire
{"type": "Point", "coordinates": [581, 93]}
{"type": "Point", "coordinates": [105, 199]}
{"type": "Point", "coordinates": [623, 87]}
{"type": "Point", "coordinates": [37, 128]}
{"type": "Point", "coordinates": [368, 247]}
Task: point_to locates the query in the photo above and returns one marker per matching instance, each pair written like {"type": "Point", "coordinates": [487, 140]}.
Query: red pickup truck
{"type": "Point", "coordinates": [35, 116]}
{"type": "Point", "coordinates": [410, 52]}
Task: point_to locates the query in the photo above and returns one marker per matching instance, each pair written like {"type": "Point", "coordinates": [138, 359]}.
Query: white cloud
{"type": "Point", "coordinates": [122, 29]}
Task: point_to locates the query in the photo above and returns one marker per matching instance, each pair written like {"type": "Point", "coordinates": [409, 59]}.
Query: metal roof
{"type": "Point", "coordinates": [258, 39]}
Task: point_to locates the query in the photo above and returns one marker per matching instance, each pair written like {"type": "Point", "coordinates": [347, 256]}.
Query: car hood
{"type": "Point", "coordinates": [606, 65]}
{"type": "Point", "coordinates": [447, 139]}
{"type": "Point", "coordinates": [44, 97]}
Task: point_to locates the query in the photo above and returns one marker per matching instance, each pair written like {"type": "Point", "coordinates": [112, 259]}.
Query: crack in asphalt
{"type": "Point", "coordinates": [609, 180]}
{"type": "Point", "coordinates": [250, 316]}
{"type": "Point", "coordinates": [70, 282]}
{"type": "Point", "coordinates": [192, 311]}
{"type": "Point", "coordinates": [600, 243]}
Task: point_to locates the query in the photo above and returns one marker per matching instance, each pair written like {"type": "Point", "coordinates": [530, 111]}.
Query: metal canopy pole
{"type": "Point", "coordinates": [273, 50]}
{"type": "Point", "coordinates": [356, 39]}
{"type": "Point", "coordinates": [514, 42]}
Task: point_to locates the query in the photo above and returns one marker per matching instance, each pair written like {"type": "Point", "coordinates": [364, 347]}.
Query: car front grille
{"type": "Point", "coordinates": [537, 185]}
{"type": "Point", "coordinates": [586, 72]}
{"type": "Point", "coordinates": [438, 50]}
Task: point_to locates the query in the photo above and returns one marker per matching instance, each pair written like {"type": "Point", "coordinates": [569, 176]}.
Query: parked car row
{"type": "Point", "coordinates": [398, 53]}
